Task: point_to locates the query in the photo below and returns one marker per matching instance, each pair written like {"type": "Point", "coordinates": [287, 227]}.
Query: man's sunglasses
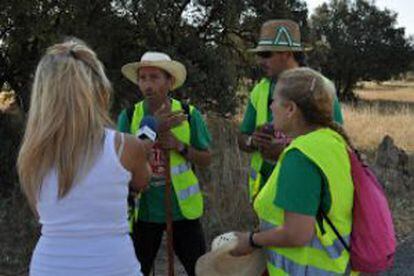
{"type": "Point", "coordinates": [267, 54]}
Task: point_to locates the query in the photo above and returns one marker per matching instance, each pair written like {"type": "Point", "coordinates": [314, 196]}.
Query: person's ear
{"type": "Point", "coordinates": [291, 108]}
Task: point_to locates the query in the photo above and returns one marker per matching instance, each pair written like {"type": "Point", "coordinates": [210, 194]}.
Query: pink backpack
{"type": "Point", "coordinates": [372, 237]}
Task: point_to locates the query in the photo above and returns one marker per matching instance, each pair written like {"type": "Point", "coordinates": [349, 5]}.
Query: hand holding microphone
{"type": "Point", "coordinates": [138, 153]}
{"type": "Point", "coordinates": [147, 133]}
{"type": "Point", "coordinates": [148, 129]}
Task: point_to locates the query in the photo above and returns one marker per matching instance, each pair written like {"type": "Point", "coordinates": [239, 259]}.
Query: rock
{"type": "Point", "coordinates": [392, 166]}
{"type": "Point", "coordinates": [390, 156]}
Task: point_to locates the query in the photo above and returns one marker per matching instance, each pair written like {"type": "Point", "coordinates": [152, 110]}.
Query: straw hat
{"type": "Point", "coordinates": [280, 36]}
{"type": "Point", "coordinates": [160, 60]}
{"type": "Point", "coordinates": [219, 261]}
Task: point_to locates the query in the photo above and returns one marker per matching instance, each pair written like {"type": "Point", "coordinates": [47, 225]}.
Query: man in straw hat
{"type": "Point", "coordinates": [182, 133]}
{"type": "Point", "coordinates": [279, 49]}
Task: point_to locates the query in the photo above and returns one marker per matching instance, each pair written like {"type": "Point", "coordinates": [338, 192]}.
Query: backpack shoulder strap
{"type": "Point", "coordinates": [187, 111]}
{"type": "Point", "coordinates": [130, 113]}
{"type": "Point", "coordinates": [330, 223]}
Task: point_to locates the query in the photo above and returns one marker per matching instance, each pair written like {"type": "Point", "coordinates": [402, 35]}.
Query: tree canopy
{"type": "Point", "coordinates": [209, 37]}
{"type": "Point", "coordinates": [355, 40]}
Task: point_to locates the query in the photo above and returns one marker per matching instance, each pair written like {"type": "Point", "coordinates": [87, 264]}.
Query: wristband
{"type": "Point", "coordinates": [251, 241]}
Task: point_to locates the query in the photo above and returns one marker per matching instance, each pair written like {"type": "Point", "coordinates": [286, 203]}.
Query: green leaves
{"type": "Point", "coordinates": [362, 43]}
{"type": "Point", "coordinates": [210, 37]}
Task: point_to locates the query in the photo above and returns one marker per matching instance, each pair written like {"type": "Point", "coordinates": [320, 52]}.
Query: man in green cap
{"type": "Point", "coordinates": [279, 49]}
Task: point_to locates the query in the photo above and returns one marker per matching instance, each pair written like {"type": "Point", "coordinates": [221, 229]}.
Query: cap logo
{"type": "Point", "coordinates": [282, 38]}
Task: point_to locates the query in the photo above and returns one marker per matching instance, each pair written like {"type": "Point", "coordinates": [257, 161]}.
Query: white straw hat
{"type": "Point", "coordinates": [160, 60]}
{"type": "Point", "coordinates": [219, 261]}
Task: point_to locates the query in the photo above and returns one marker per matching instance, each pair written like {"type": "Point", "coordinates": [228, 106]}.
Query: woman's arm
{"type": "Point", "coordinates": [134, 158]}
{"type": "Point", "coordinates": [297, 231]}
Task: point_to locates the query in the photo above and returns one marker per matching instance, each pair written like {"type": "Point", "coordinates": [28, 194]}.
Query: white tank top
{"type": "Point", "coordinates": [86, 232]}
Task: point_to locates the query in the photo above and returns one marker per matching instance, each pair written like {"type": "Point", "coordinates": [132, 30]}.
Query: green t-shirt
{"type": "Point", "coordinates": [302, 187]}
{"type": "Point", "coordinates": [248, 126]}
{"type": "Point", "coordinates": [152, 206]}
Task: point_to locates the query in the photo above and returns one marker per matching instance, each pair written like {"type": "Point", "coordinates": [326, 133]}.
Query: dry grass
{"type": "Point", "coordinates": [368, 125]}
{"type": "Point", "coordinates": [387, 91]}
{"type": "Point", "coordinates": [388, 110]}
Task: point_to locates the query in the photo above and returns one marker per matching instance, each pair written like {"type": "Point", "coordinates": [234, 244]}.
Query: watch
{"type": "Point", "coordinates": [183, 150]}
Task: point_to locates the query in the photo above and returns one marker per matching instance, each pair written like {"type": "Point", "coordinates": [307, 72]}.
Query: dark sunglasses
{"type": "Point", "coordinates": [267, 54]}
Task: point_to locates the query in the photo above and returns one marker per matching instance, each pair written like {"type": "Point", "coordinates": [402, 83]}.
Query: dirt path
{"type": "Point", "coordinates": [161, 265]}
{"type": "Point", "coordinates": [404, 261]}
{"type": "Point", "coordinates": [403, 265]}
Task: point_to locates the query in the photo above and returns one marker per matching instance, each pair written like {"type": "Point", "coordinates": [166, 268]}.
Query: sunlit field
{"type": "Point", "coordinates": [397, 91]}
{"type": "Point", "coordinates": [367, 125]}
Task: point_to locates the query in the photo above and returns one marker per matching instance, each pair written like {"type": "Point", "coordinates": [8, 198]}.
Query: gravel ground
{"type": "Point", "coordinates": [403, 264]}
{"type": "Point", "coordinates": [404, 260]}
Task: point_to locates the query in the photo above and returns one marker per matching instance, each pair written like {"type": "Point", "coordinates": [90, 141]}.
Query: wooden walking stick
{"type": "Point", "coordinates": [168, 213]}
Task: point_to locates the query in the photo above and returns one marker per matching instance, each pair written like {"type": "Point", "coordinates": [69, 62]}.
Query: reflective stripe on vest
{"type": "Point", "coordinates": [190, 191]}
{"type": "Point", "coordinates": [182, 168]}
{"type": "Point", "coordinates": [334, 251]}
{"type": "Point", "coordinates": [260, 101]}
{"type": "Point", "coordinates": [324, 254]}
{"type": "Point", "coordinates": [184, 181]}
{"type": "Point", "coordinates": [283, 265]}
{"type": "Point", "coordinates": [253, 174]}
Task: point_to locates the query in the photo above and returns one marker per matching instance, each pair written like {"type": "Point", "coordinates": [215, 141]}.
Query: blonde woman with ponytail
{"type": "Point", "coordinates": [75, 170]}
{"type": "Point", "coordinates": [311, 180]}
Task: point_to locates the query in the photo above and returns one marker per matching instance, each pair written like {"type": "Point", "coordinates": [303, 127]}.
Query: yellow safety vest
{"type": "Point", "coordinates": [260, 101]}
{"type": "Point", "coordinates": [184, 181]}
{"type": "Point", "coordinates": [325, 254]}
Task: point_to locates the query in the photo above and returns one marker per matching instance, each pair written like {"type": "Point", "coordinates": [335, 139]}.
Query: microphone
{"type": "Point", "coordinates": [148, 129]}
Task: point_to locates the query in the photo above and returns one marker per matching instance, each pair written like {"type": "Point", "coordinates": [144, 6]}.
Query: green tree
{"type": "Point", "coordinates": [209, 36]}
{"type": "Point", "coordinates": [360, 42]}
{"type": "Point", "coordinates": [29, 27]}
